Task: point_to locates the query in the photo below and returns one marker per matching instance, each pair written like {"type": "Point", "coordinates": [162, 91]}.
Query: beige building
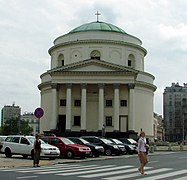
{"type": "Point", "coordinates": [97, 80]}
{"type": "Point", "coordinates": [32, 121]}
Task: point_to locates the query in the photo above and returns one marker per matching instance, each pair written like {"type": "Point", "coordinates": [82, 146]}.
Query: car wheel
{"type": "Point", "coordinates": [108, 152]}
{"type": "Point", "coordinates": [91, 154]}
{"type": "Point", "coordinates": [25, 156]}
{"type": "Point", "coordinates": [69, 154]}
{"type": "Point", "coordinates": [96, 155]}
{"type": "Point", "coordinates": [8, 153]}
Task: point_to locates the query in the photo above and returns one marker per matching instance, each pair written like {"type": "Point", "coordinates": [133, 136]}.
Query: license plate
{"type": "Point", "coordinates": [87, 152]}
{"type": "Point", "coordinates": [53, 153]}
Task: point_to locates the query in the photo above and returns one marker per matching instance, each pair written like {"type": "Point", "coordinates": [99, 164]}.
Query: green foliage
{"type": "Point", "coordinates": [14, 126]}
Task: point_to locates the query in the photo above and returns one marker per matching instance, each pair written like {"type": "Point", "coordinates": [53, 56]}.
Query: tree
{"type": "Point", "coordinates": [12, 126]}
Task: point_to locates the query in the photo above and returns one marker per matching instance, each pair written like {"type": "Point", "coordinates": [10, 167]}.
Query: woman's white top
{"type": "Point", "coordinates": [141, 145]}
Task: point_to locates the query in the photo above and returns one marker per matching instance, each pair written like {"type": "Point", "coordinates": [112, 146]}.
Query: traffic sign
{"type": "Point", "coordinates": [39, 112]}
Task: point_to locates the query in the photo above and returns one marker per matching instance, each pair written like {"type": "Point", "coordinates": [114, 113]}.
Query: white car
{"type": "Point", "coordinates": [24, 145]}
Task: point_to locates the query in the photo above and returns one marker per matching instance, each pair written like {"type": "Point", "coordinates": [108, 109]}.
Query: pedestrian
{"type": "Point", "coordinates": [142, 155]}
{"type": "Point", "coordinates": [37, 151]}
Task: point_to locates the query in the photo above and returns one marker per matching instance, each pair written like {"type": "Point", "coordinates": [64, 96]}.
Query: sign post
{"type": "Point", "coordinates": [39, 112]}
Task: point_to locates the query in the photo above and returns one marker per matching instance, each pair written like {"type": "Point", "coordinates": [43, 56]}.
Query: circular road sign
{"type": "Point", "coordinates": [39, 112]}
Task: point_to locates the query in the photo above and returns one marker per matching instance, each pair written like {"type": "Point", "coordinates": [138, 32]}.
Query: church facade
{"type": "Point", "coordinates": [97, 83]}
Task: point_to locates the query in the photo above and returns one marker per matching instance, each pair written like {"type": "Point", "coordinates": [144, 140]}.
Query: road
{"type": "Point", "coordinates": [165, 166]}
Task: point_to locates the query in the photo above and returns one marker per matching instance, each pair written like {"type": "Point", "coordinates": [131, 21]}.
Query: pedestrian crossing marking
{"type": "Point", "coordinates": [74, 171]}
{"type": "Point", "coordinates": [54, 169]}
{"type": "Point", "coordinates": [137, 174]}
{"type": "Point", "coordinates": [98, 170]}
{"type": "Point", "coordinates": [180, 172]}
{"type": "Point", "coordinates": [110, 173]}
{"type": "Point", "coordinates": [104, 172]}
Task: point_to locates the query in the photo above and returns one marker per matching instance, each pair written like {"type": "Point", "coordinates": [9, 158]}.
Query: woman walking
{"type": "Point", "coordinates": [37, 151]}
{"type": "Point", "coordinates": [142, 152]}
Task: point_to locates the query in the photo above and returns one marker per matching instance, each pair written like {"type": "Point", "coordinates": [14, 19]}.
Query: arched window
{"type": "Point", "coordinates": [60, 60]}
{"type": "Point", "coordinates": [95, 55]}
{"type": "Point", "coordinates": [131, 60]}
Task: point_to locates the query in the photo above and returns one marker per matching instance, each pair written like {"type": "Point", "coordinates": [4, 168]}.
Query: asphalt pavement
{"type": "Point", "coordinates": [19, 161]}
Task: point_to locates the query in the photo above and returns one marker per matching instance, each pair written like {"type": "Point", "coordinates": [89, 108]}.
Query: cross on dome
{"type": "Point", "coordinates": [97, 14]}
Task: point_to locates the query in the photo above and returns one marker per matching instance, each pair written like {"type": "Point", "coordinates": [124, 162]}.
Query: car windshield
{"type": "Point", "coordinates": [67, 141]}
{"type": "Point", "coordinates": [117, 141]}
{"type": "Point", "coordinates": [132, 141]}
{"type": "Point", "coordinates": [84, 141]}
{"type": "Point", "coordinates": [32, 139]}
{"type": "Point", "coordinates": [106, 141]}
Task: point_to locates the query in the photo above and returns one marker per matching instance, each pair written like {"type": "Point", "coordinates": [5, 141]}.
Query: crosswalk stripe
{"type": "Point", "coordinates": [46, 167]}
{"type": "Point", "coordinates": [165, 175]}
{"type": "Point", "coordinates": [54, 169]}
{"type": "Point", "coordinates": [137, 174]}
{"type": "Point", "coordinates": [110, 173]}
{"type": "Point", "coordinates": [74, 171]}
{"type": "Point", "coordinates": [180, 178]}
{"type": "Point", "coordinates": [93, 171]}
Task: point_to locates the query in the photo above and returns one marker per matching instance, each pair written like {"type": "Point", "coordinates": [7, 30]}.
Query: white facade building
{"type": "Point", "coordinates": [97, 78]}
{"type": "Point", "coordinates": [32, 121]}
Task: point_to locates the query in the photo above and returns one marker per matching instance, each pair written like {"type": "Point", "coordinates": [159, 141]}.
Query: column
{"type": "Point", "coordinates": [116, 107]}
{"type": "Point", "coordinates": [101, 106]}
{"type": "Point", "coordinates": [83, 107]}
{"type": "Point", "coordinates": [68, 106]}
{"type": "Point", "coordinates": [131, 118]}
{"type": "Point", "coordinates": [54, 106]}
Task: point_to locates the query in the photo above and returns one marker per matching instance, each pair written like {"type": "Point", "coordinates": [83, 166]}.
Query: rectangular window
{"type": "Point", "coordinates": [108, 120]}
{"type": "Point", "coordinates": [123, 102]}
{"type": "Point", "coordinates": [77, 120]}
{"type": "Point", "coordinates": [129, 63]}
{"type": "Point", "coordinates": [108, 103]}
{"type": "Point", "coordinates": [77, 103]}
{"type": "Point", "coordinates": [62, 102]}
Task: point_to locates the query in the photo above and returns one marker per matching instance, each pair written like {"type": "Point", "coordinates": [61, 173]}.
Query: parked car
{"type": "Point", "coordinates": [109, 147]}
{"type": "Point", "coordinates": [96, 150]}
{"type": "Point", "coordinates": [67, 147]}
{"type": "Point", "coordinates": [130, 145]}
{"type": "Point", "coordinates": [120, 145]}
{"type": "Point", "coordinates": [23, 145]}
{"type": "Point", "coordinates": [2, 138]}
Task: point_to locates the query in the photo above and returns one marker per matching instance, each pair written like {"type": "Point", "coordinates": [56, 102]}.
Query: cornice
{"type": "Point", "coordinates": [97, 41]}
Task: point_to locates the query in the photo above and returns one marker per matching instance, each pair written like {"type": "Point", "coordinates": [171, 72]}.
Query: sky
{"type": "Point", "coordinates": [29, 27]}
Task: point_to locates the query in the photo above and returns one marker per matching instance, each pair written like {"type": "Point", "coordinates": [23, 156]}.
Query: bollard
{"type": "Point", "coordinates": [151, 149]}
{"type": "Point", "coordinates": [181, 147]}
{"type": "Point", "coordinates": [155, 148]}
{"type": "Point", "coordinates": [169, 147]}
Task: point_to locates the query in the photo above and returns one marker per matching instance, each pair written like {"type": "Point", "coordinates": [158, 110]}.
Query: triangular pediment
{"type": "Point", "coordinates": [93, 65]}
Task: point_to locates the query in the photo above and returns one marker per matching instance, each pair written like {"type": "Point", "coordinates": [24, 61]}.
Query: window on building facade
{"type": "Point", "coordinates": [62, 102]}
{"type": "Point", "coordinates": [131, 60]}
{"type": "Point", "coordinates": [123, 102]}
{"type": "Point", "coordinates": [129, 63]}
{"type": "Point", "coordinates": [108, 120]}
{"type": "Point", "coordinates": [77, 120]}
{"type": "Point", "coordinates": [108, 103]}
{"type": "Point", "coordinates": [77, 102]}
{"type": "Point", "coordinates": [61, 60]}
{"type": "Point", "coordinates": [95, 55]}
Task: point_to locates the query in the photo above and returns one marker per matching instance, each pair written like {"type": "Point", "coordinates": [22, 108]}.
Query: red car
{"type": "Point", "coordinates": [67, 148]}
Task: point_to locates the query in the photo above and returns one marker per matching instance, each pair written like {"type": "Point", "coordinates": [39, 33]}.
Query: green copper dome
{"type": "Point", "coordinates": [97, 26]}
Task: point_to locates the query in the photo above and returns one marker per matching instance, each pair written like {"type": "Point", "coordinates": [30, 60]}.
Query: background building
{"type": "Point", "coordinates": [175, 112]}
{"type": "Point", "coordinates": [32, 121]}
{"type": "Point", "coordinates": [158, 128]}
{"type": "Point", "coordinates": [9, 112]}
{"type": "Point", "coordinates": [97, 80]}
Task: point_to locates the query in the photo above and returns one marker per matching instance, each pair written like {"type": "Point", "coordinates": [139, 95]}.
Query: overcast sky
{"type": "Point", "coordinates": [29, 27]}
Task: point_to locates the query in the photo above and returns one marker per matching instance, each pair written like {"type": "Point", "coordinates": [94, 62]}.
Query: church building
{"type": "Point", "coordinates": [97, 83]}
